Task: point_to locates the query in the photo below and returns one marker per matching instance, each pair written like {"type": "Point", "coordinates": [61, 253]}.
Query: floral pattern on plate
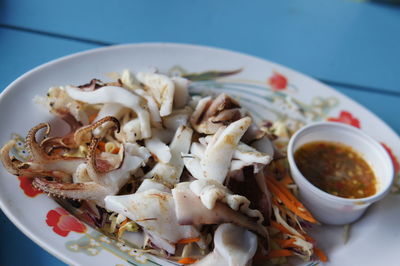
{"type": "Point", "coordinates": [63, 222]}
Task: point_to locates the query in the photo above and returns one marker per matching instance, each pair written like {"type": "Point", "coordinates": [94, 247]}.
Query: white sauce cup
{"type": "Point", "coordinates": [325, 207]}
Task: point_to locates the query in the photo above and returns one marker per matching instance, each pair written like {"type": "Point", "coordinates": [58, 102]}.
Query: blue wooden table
{"type": "Point", "coordinates": [352, 46]}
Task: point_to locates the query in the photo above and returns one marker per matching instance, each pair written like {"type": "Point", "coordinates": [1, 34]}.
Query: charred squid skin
{"type": "Point", "coordinates": [80, 134]}
{"type": "Point", "coordinates": [51, 144]}
{"type": "Point", "coordinates": [222, 102]}
{"type": "Point", "coordinates": [9, 163]}
{"type": "Point", "coordinates": [212, 114]}
{"type": "Point", "coordinates": [92, 169]}
{"type": "Point", "coordinates": [55, 175]}
{"type": "Point", "coordinates": [76, 137]}
{"type": "Point", "coordinates": [95, 84]}
{"type": "Point", "coordinates": [18, 168]}
{"type": "Point", "coordinates": [43, 151]}
{"type": "Point", "coordinates": [35, 148]}
{"type": "Point", "coordinates": [91, 156]}
{"type": "Point", "coordinates": [77, 191]}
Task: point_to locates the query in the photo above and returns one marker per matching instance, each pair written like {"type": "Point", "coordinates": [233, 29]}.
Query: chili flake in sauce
{"type": "Point", "coordinates": [336, 168]}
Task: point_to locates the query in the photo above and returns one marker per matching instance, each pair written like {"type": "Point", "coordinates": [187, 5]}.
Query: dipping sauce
{"type": "Point", "coordinates": [336, 168]}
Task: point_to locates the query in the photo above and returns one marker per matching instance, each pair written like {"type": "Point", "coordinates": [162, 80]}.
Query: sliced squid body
{"type": "Point", "coordinates": [233, 246]}
{"type": "Point", "coordinates": [129, 80]}
{"type": "Point", "coordinates": [177, 118]}
{"type": "Point", "coordinates": [191, 211]}
{"type": "Point", "coordinates": [109, 109]}
{"type": "Point", "coordinates": [132, 130]}
{"type": "Point", "coordinates": [133, 158]}
{"type": "Point", "coordinates": [58, 100]}
{"type": "Point", "coordinates": [211, 114]}
{"type": "Point", "coordinates": [264, 145]}
{"type": "Point", "coordinates": [161, 87]}
{"type": "Point", "coordinates": [210, 192]}
{"type": "Point", "coordinates": [170, 172]}
{"type": "Point", "coordinates": [181, 95]}
{"type": "Point", "coordinates": [113, 94]}
{"type": "Point", "coordinates": [192, 164]}
{"type": "Point", "coordinates": [250, 155]}
{"type": "Point", "coordinates": [152, 106]}
{"type": "Point", "coordinates": [197, 116]}
{"type": "Point", "coordinates": [243, 155]}
{"type": "Point", "coordinates": [171, 123]}
{"type": "Point", "coordinates": [159, 149]}
{"type": "Point", "coordinates": [219, 152]}
{"type": "Point", "coordinates": [154, 211]}
{"type": "Point", "coordinates": [148, 184]}
{"type": "Point", "coordinates": [246, 155]}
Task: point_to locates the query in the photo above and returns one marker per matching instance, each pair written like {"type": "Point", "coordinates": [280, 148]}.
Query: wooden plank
{"type": "Point", "coordinates": [343, 41]}
{"type": "Point", "coordinates": [21, 52]}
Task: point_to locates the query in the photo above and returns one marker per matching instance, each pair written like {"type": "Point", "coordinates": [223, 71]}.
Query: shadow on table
{"type": "Point", "coordinates": [391, 2]}
{"type": "Point", "coordinates": [3, 6]}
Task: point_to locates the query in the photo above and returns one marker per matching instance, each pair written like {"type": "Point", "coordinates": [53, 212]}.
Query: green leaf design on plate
{"type": "Point", "coordinates": [210, 75]}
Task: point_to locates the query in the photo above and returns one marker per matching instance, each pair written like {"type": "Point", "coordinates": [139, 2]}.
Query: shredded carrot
{"type": "Point", "coordinates": [121, 225]}
{"type": "Point", "coordinates": [279, 253]}
{"type": "Point", "coordinates": [115, 150]}
{"type": "Point", "coordinates": [286, 243]}
{"type": "Point", "coordinates": [320, 254]}
{"type": "Point", "coordinates": [308, 238]}
{"type": "Point", "coordinates": [57, 151]}
{"type": "Point", "coordinates": [280, 227]}
{"type": "Point", "coordinates": [187, 261]}
{"type": "Point", "coordinates": [188, 240]}
{"type": "Point", "coordinates": [124, 222]}
{"type": "Point", "coordinates": [285, 191]}
{"type": "Point", "coordinates": [102, 146]}
{"type": "Point", "coordinates": [92, 117]}
{"type": "Point", "coordinates": [286, 180]}
{"type": "Point", "coordinates": [289, 200]}
{"type": "Point", "coordinates": [280, 207]}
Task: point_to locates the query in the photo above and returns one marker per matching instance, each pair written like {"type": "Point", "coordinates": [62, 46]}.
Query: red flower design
{"type": "Point", "coordinates": [346, 118]}
{"type": "Point", "coordinates": [278, 81]}
{"type": "Point", "coordinates": [396, 164]}
{"type": "Point", "coordinates": [63, 222]}
{"type": "Point", "coordinates": [27, 187]}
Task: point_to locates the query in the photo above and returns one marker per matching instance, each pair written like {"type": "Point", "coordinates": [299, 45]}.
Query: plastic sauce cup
{"type": "Point", "coordinates": [328, 208]}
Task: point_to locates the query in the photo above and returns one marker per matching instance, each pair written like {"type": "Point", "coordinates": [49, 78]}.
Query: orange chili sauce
{"type": "Point", "coordinates": [337, 169]}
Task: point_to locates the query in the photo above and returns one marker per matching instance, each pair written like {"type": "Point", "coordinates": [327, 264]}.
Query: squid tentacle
{"type": "Point", "coordinates": [96, 174]}
{"type": "Point", "coordinates": [76, 137]}
{"type": "Point", "coordinates": [11, 164]}
{"type": "Point", "coordinates": [35, 148]}
{"type": "Point", "coordinates": [80, 134]}
{"type": "Point", "coordinates": [78, 191]}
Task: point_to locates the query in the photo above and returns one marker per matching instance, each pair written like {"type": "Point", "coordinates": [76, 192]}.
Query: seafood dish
{"type": "Point", "coordinates": [185, 177]}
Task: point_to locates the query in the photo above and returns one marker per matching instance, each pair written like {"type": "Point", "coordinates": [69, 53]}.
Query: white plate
{"type": "Point", "coordinates": [374, 240]}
